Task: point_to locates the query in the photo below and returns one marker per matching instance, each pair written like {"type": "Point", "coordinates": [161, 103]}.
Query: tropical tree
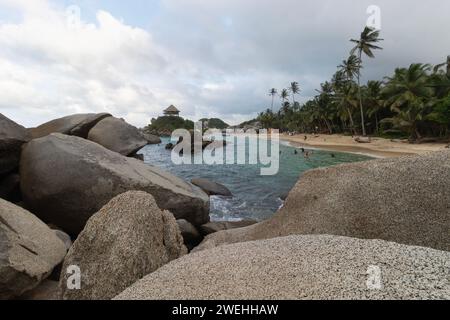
{"type": "Point", "coordinates": [350, 67]}
{"type": "Point", "coordinates": [447, 64]}
{"type": "Point", "coordinates": [321, 114]}
{"type": "Point", "coordinates": [346, 101]}
{"type": "Point", "coordinates": [410, 97]}
{"type": "Point", "coordinates": [294, 89]}
{"type": "Point", "coordinates": [284, 95]}
{"type": "Point", "coordinates": [267, 118]}
{"type": "Point", "coordinates": [365, 44]}
{"type": "Point", "coordinates": [441, 115]}
{"type": "Point", "coordinates": [374, 101]}
{"type": "Point", "coordinates": [273, 92]}
{"type": "Point", "coordinates": [440, 80]}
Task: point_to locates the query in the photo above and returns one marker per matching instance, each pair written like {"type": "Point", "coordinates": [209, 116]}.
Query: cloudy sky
{"type": "Point", "coordinates": [210, 58]}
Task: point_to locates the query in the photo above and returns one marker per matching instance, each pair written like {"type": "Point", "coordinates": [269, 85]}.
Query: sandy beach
{"type": "Point", "coordinates": [379, 147]}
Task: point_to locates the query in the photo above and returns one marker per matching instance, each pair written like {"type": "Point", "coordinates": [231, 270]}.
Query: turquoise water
{"type": "Point", "coordinates": [255, 196]}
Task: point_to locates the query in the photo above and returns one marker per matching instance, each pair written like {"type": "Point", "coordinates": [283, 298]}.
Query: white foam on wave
{"type": "Point", "coordinates": [222, 209]}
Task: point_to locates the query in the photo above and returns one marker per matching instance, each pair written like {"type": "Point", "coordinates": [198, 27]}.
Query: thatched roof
{"type": "Point", "coordinates": [171, 109]}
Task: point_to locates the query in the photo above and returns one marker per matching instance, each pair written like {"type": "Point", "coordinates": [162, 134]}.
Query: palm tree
{"type": "Point", "coordinates": [374, 101]}
{"type": "Point", "coordinates": [294, 89]}
{"type": "Point", "coordinates": [323, 102]}
{"type": "Point", "coordinates": [447, 64]}
{"type": "Point", "coordinates": [338, 80]}
{"type": "Point", "coordinates": [366, 44]}
{"type": "Point", "coordinates": [266, 119]}
{"type": "Point", "coordinates": [284, 95]}
{"type": "Point", "coordinates": [321, 113]}
{"type": "Point", "coordinates": [345, 101]}
{"type": "Point", "coordinates": [350, 67]}
{"type": "Point", "coordinates": [410, 97]}
{"type": "Point", "coordinates": [326, 88]}
{"type": "Point", "coordinates": [273, 92]}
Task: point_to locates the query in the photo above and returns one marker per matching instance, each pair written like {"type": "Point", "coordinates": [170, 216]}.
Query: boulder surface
{"type": "Point", "coordinates": [29, 251]}
{"type": "Point", "coordinates": [47, 290]}
{"type": "Point", "coordinates": [151, 138]}
{"type": "Point", "coordinates": [117, 135]}
{"type": "Point", "coordinates": [301, 267]}
{"type": "Point", "coordinates": [405, 200]}
{"type": "Point", "coordinates": [217, 226]}
{"type": "Point", "coordinates": [10, 187]}
{"type": "Point", "coordinates": [66, 179]}
{"type": "Point", "coordinates": [12, 137]}
{"type": "Point", "coordinates": [191, 235]}
{"type": "Point", "coordinates": [127, 239]}
{"type": "Point", "coordinates": [212, 188]}
{"type": "Point", "coordinates": [74, 125]}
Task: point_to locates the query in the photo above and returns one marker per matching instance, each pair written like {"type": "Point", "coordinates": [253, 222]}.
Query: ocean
{"type": "Point", "coordinates": [254, 196]}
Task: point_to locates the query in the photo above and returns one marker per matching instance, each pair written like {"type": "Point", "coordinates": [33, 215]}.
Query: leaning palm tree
{"type": "Point", "coordinates": [294, 89]}
{"type": "Point", "coordinates": [366, 44]}
{"type": "Point", "coordinates": [273, 92]}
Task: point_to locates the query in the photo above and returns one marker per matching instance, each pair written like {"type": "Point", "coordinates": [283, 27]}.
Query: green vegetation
{"type": "Point", "coordinates": [164, 126]}
{"type": "Point", "coordinates": [214, 123]}
{"type": "Point", "coordinates": [414, 102]}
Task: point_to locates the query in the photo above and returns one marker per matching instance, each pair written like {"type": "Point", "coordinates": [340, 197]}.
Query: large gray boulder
{"type": "Point", "coordinates": [47, 290]}
{"type": "Point", "coordinates": [301, 267]}
{"type": "Point", "coordinates": [151, 138]}
{"type": "Point", "coordinates": [127, 239]}
{"type": "Point", "coordinates": [29, 251]}
{"type": "Point", "coordinates": [212, 188]}
{"type": "Point", "coordinates": [66, 179]}
{"type": "Point", "coordinates": [65, 238]}
{"type": "Point", "coordinates": [74, 125]}
{"type": "Point", "coordinates": [12, 137]}
{"type": "Point", "coordinates": [190, 234]}
{"type": "Point", "coordinates": [117, 135]}
{"type": "Point", "coordinates": [405, 200]}
{"type": "Point", "coordinates": [10, 187]}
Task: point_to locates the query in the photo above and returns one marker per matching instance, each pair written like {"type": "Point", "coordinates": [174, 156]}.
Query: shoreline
{"type": "Point", "coordinates": [379, 148]}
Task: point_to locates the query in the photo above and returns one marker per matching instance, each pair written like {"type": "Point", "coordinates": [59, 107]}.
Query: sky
{"type": "Point", "coordinates": [209, 58]}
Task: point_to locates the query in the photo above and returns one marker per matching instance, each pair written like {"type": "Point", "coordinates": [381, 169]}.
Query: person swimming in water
{"type": "Point", "coordinates": [295, 151]}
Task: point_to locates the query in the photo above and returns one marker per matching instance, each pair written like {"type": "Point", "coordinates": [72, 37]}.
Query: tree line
{"type": "Point", "coordinates": [414, 102]}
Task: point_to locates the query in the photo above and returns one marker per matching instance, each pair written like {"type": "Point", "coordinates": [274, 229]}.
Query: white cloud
{"type": "Point", "coordinates": [51, 70]}
{"type": "Point", "coordinates": [209, 58]}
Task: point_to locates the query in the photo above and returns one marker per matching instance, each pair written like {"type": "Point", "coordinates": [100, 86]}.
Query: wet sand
{"type": "Point", "coordinates": [379, 147]}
